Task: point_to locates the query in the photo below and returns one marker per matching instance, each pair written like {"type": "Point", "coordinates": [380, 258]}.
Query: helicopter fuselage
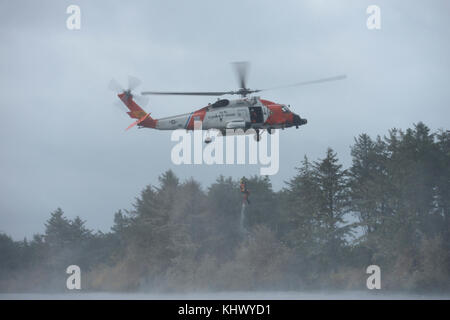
{"type": "Point", "coordinates": [235, 114]}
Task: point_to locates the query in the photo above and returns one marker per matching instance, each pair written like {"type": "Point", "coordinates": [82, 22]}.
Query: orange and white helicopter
{"type": "Point", "coordinates": [224, 114]}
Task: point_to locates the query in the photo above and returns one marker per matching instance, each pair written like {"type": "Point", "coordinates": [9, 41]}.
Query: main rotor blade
{"type": "Point", "coordinates": [340, 77]}
{"type": "Point", "coordinates": [218, 93]}
{"type": "Point", "coordinates": [241, 69]}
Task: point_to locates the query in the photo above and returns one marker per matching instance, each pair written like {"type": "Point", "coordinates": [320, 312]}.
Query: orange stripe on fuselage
{"type": "Point", "coordinates": [199, 114]}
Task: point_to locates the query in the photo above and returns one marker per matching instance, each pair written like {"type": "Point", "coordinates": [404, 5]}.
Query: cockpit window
{"type": "Point", "coordinates": [284, 109]}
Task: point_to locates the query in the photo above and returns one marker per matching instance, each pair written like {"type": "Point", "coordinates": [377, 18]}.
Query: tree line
{"type": "Point", "coordinates": [328, 223]}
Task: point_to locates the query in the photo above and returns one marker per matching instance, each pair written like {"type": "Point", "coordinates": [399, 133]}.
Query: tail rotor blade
{"type": "Point", "coordinates": [133, 83]}
{"type": "Point", "coordinates": [141, 100]}
{"type": "Point", "coordinates": [115, 86]}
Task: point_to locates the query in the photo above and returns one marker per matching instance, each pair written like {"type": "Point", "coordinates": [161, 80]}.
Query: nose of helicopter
{"type": "Point", "coordinates": [299, 121]}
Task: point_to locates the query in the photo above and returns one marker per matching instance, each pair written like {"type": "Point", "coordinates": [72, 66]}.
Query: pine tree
{"type": "Point", "coordinates": [370, 188]}
{"type": "Point", "coordinates": [302, 207]}
{"type": "Point", "coordinates": [263, 207]}
{"type": "Point", "coordinates": [331, 181]}
{"type": "Point", "coordinates": [189, 233]}
{"type": "Point", "coordinates": [224, 202]}
{"type": "Point", "coordinates": [411, 170]}
{"type": "Point", "coordinates": [57, 230]}
{"type": "Point", "coordinates": [62, 233]}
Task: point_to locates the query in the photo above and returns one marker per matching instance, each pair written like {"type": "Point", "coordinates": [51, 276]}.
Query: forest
{"type": "Point", "coordinates": [327, 224]}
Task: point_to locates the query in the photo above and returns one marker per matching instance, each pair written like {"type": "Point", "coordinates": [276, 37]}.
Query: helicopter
{"type": "Point", "coordinates": [246, 113]}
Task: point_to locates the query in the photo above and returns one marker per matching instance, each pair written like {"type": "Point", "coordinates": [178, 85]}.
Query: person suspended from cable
{"type": "Point", "coordinates": [244, 190]}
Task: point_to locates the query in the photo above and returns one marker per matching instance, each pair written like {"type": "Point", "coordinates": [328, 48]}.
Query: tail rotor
{"type": "Point", "coordinates": [127, 93]}
{"type": "Point", "coordinates": [133, 103]}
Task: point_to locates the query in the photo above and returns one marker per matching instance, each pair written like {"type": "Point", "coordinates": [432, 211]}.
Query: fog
{"type": "Point", "coordinates": [350, 191]}
{"type": "Point", "coordinates": [63, 142]}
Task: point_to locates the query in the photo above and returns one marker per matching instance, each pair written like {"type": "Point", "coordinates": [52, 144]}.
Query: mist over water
{"type": "Point", "coordinates": [297, 243]}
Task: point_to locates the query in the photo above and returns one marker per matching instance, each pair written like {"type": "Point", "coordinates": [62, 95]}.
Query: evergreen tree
{"type": "Point", "coordinates": [369, 190]}
{"type": "Point", "coordinates": [58, 230]}
{"type": "Point", "coordinates": [332, 203]}
{"type": "Point", "coordinates": [411, 170]}
{"type": "Point", "coordinates": [263, 207]}
{"type": "Point", "coordinates": [365, 177]}
{"type": "Point", "coordinates": [224, 202]}
{"type": "Point", "coordinates": [150, 249]}
{"type": "Point", "coordinates": [302, 207]}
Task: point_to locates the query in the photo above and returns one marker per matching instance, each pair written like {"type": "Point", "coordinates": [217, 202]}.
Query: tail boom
{"type": "Point", "coordinates": [136, 112]}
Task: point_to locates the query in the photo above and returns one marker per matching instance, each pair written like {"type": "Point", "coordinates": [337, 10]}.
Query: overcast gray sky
{"type": "Point", "coordinates": [63, 142]}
